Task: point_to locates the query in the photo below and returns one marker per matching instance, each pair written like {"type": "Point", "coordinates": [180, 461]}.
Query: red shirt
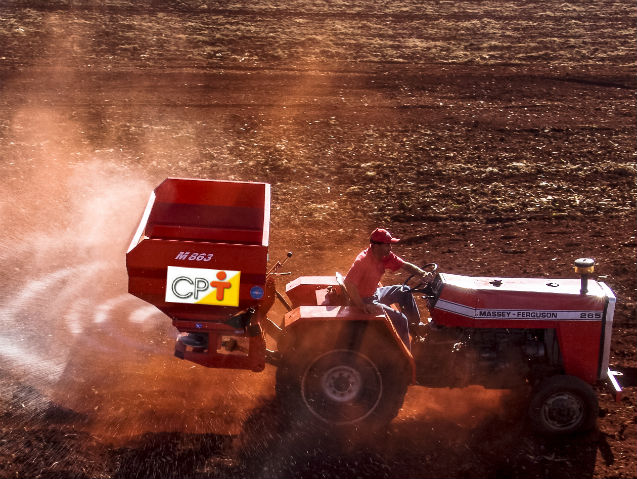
{"type": "Point", "coordinates": [366, 271]}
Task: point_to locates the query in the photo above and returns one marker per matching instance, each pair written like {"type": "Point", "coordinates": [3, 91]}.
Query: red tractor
{"type": "Point", "coordinates": [200, 255]}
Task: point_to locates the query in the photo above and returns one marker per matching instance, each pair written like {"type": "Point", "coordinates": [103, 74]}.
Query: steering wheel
{"type": "Point", "coordinates": [432, 267]}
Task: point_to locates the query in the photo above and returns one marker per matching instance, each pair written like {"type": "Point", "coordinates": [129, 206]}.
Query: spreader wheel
{"type": "Point", "coordinates": [563, 405]}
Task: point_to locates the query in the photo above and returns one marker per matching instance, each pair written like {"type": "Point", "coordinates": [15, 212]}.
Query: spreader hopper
{"type": "Point", "coordinates": [200, 256]}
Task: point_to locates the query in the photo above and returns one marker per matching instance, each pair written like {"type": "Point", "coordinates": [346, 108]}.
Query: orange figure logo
{"type": "Point", "coordinates": [221, 285]}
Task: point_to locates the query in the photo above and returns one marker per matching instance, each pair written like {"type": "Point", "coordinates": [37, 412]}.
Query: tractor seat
{"type": "Point", "coordinates": [336, 295]}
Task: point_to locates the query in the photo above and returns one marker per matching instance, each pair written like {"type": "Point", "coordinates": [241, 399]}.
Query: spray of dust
{"type": "Point", "coordinates": [72, 337]}
{"type": "Point", "coordinates": [465, 407]}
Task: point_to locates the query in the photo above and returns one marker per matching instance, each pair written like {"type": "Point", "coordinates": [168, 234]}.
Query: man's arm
{"type": "Point", "coordinates": [354, 295]}
{"type": "Point", "coordinates": [357, 301]}
{"type": "Point", "coordinates": [413, 269]}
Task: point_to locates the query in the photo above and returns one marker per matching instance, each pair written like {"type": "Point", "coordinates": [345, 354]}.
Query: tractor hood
{"type": "Point", "coordinates": [583, 321]}
{"type": "Point", "coordinates": [484, 298]}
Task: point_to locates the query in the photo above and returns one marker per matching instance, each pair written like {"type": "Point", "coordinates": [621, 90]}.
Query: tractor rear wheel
{"type": "Point", "coordinates": [563, 405]}
{"type": "Point", "coordinates": [340, 388]}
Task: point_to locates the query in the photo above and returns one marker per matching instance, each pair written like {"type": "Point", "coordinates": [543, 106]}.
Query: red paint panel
{"type": "Point", "coordinates": [317, 314]}
{"type": "Point", "coordinates": [209, 192]}
{"type": "Point", "coordinates": [302, 291]}
{"type": "Point", "coordinates": [248, 236]}
{"type": "Point", "coordinates": [579, 344]}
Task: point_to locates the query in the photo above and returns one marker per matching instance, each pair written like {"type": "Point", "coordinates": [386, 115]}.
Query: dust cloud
{"type": "Point", "coordinates": [465, 407]}
{"type": "Point", "coordinates": [72, 335]}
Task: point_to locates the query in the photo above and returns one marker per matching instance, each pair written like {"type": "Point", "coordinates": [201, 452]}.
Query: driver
{"type": "Point", "coordinates": [362, 283]}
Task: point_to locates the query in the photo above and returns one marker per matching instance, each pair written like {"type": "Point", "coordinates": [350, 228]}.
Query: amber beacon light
{"type": "Point", "coordinates": [584, 267]}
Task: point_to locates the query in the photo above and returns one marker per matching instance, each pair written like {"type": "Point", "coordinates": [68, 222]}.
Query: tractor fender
{"type": "Point", "coordinates": [306, 326]}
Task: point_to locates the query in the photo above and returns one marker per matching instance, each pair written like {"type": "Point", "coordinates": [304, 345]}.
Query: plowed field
{"type": "Point", "coordinates": [493, 137]}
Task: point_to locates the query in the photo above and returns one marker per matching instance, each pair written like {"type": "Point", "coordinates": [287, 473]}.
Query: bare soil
{"type": "Point", "coordinates": [494, 137]}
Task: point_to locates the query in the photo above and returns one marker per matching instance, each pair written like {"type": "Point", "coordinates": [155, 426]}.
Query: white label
{"type": "Point", "coordinates": [202, 286]}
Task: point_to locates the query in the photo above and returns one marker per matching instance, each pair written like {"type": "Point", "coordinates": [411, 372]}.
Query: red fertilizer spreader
{"type": "Point", "coordinates": [200, 255]}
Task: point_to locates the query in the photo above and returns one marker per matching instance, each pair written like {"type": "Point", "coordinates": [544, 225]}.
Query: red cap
{"type": "Point", "coordinates": [380, 235]}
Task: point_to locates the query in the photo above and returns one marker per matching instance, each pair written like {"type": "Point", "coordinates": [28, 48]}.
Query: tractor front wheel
{"type": "Point", "coordinates": [563, 405]}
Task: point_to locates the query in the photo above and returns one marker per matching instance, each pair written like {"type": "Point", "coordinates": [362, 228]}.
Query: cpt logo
{"type": "Point", "coordinates": [202, 286]}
